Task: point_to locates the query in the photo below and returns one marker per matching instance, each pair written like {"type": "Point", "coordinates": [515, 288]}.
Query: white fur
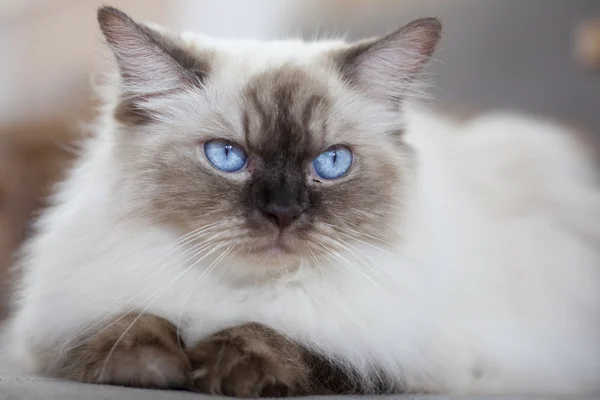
{"type": "Point", "coordinates": [493, 288]}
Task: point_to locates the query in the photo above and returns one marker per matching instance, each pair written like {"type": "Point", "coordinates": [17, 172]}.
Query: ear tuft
{"type": "Point", "coordinates": [422, 37]}
{"type": "Point", "coordinates": [110, 20]}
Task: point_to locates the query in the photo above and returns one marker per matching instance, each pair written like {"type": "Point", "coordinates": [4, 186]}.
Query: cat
{"type": "Point", "coordinates": [282, 218]}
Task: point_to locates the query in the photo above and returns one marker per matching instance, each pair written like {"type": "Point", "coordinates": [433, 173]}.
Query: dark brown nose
{"type": "Point", "coordinates": [282, 216]}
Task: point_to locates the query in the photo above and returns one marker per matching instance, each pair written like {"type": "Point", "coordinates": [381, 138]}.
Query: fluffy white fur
{"type": "Point", "coordinates": [493, 286]}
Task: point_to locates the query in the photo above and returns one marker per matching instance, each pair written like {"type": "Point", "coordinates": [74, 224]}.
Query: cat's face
{"type": "Point", "coordinates": [269, 157]}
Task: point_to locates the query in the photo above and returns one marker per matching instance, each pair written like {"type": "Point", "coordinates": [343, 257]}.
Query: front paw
{"type": "Point", "coordinates": [140, 351]}
{"type": "Point", "coordinates": [146, 367]}
{"type": "Point", "coordinates": [249, 361]}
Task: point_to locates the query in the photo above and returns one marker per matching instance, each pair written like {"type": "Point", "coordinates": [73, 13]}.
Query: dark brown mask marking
{"type": "Point", "coordinates": [281, 108]}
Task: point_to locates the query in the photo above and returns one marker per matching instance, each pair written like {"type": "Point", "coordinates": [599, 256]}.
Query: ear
{"type": "Point", "coordinates": [150, 63]}
{"type": "Point", "coordinates": [388, 67]}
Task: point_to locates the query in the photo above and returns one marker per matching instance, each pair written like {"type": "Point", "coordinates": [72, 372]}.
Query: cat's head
{"type": "Point", "coordinates": [274, 151]}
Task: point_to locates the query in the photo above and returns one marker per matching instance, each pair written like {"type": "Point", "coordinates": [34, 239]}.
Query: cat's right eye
{"type": "Point", "coordinates": [225, 156]}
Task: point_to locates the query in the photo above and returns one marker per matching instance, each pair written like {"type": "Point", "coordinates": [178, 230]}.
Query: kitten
{"type": "Point", "coordinates": [272, 219]}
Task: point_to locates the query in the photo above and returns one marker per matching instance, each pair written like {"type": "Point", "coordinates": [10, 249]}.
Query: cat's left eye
{"type": "Point", "coordinates": [334, 163]}
{"type": "Point", "coordinates": [224, 155]}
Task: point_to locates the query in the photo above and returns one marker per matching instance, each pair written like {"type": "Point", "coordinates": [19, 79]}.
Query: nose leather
{"type": "Point", "coordinates": [282, 216]}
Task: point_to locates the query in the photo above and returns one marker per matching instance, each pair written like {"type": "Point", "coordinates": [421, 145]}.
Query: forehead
{"type": "Point", "coordinates": [277, 96]}
{"type": "Point", "coordinates": [286, 110]}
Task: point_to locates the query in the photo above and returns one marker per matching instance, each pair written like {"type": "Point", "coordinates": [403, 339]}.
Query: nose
{"type": "Point", "coordinates": [282, 216]}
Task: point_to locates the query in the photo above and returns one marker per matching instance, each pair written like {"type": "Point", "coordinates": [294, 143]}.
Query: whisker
{"type": "Point", "coordinates": [332, 253]}
{"type": "Point", "coordinates": [155, 297]}
{"type": "Point", "coordinates": [384, 284]}
{"type": "Point", "coordinates": [196, 250]}
{"type": "Point", "coordinates": [182, 240]}
{"type": "Point", "coordinates": [206, 272]}
{"type": "Point", "coordinates": [179, 243]}
{"type": "Point", "coordinates": [396, 254]}
{"type": "Point", "coordinates": [347, 231]}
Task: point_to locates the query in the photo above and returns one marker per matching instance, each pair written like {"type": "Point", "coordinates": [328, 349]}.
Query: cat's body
{"type": "Point", "coordinates": [479, 271]}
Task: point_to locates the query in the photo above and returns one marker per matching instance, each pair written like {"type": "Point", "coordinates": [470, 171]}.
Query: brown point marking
{"type": "Point", "coordinates": [258, 107]}
{"type": "Point", "coordinates": [130, 113]}
{"type": "Point", "coordinates": [246, 127]}
{"type": "Point", "coordinates": [253, 360]}
{"type": "Point", "coordinates": [314, 102]}
{"type": "Point", "coordinates": [132, 350]}
{"type": "Point", "coordinates": [197, 65]}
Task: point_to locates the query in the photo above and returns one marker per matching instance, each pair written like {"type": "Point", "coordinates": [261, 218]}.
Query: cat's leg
{"type": "Point", "coordinates": [131, 350]}
{"type": "Point", "coordinates": [253, 360]}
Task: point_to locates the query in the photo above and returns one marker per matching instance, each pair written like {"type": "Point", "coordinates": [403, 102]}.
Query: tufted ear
{"type": "Point", "coordinates": [150, 63]}
{"type": "Point", "coordinates": [387, 67]}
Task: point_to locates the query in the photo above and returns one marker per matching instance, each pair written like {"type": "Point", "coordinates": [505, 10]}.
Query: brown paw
{"type": "Point", "coordinates": [249, 361]}
{"type": "Point", "coordinates": [143, 352]}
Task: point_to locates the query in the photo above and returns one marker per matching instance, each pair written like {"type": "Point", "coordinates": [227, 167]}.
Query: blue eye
{"type": "Point", "coordinates": [333, 163]}
{"type": "Point", "coordinates": [224, 155]}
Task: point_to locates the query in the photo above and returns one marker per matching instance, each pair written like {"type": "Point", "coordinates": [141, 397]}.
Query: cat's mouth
{"type": "Point", "coordinates": [277, 246]}
{"type": "Point", "coordinates": [275, 249]}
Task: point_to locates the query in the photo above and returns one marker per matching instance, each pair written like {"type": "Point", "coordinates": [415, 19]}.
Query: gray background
{"type": "Point", "coordinates": [514, 54]}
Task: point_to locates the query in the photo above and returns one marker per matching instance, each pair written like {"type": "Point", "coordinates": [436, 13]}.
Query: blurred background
{"type": "Point", "coordinates": [535, 56]}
